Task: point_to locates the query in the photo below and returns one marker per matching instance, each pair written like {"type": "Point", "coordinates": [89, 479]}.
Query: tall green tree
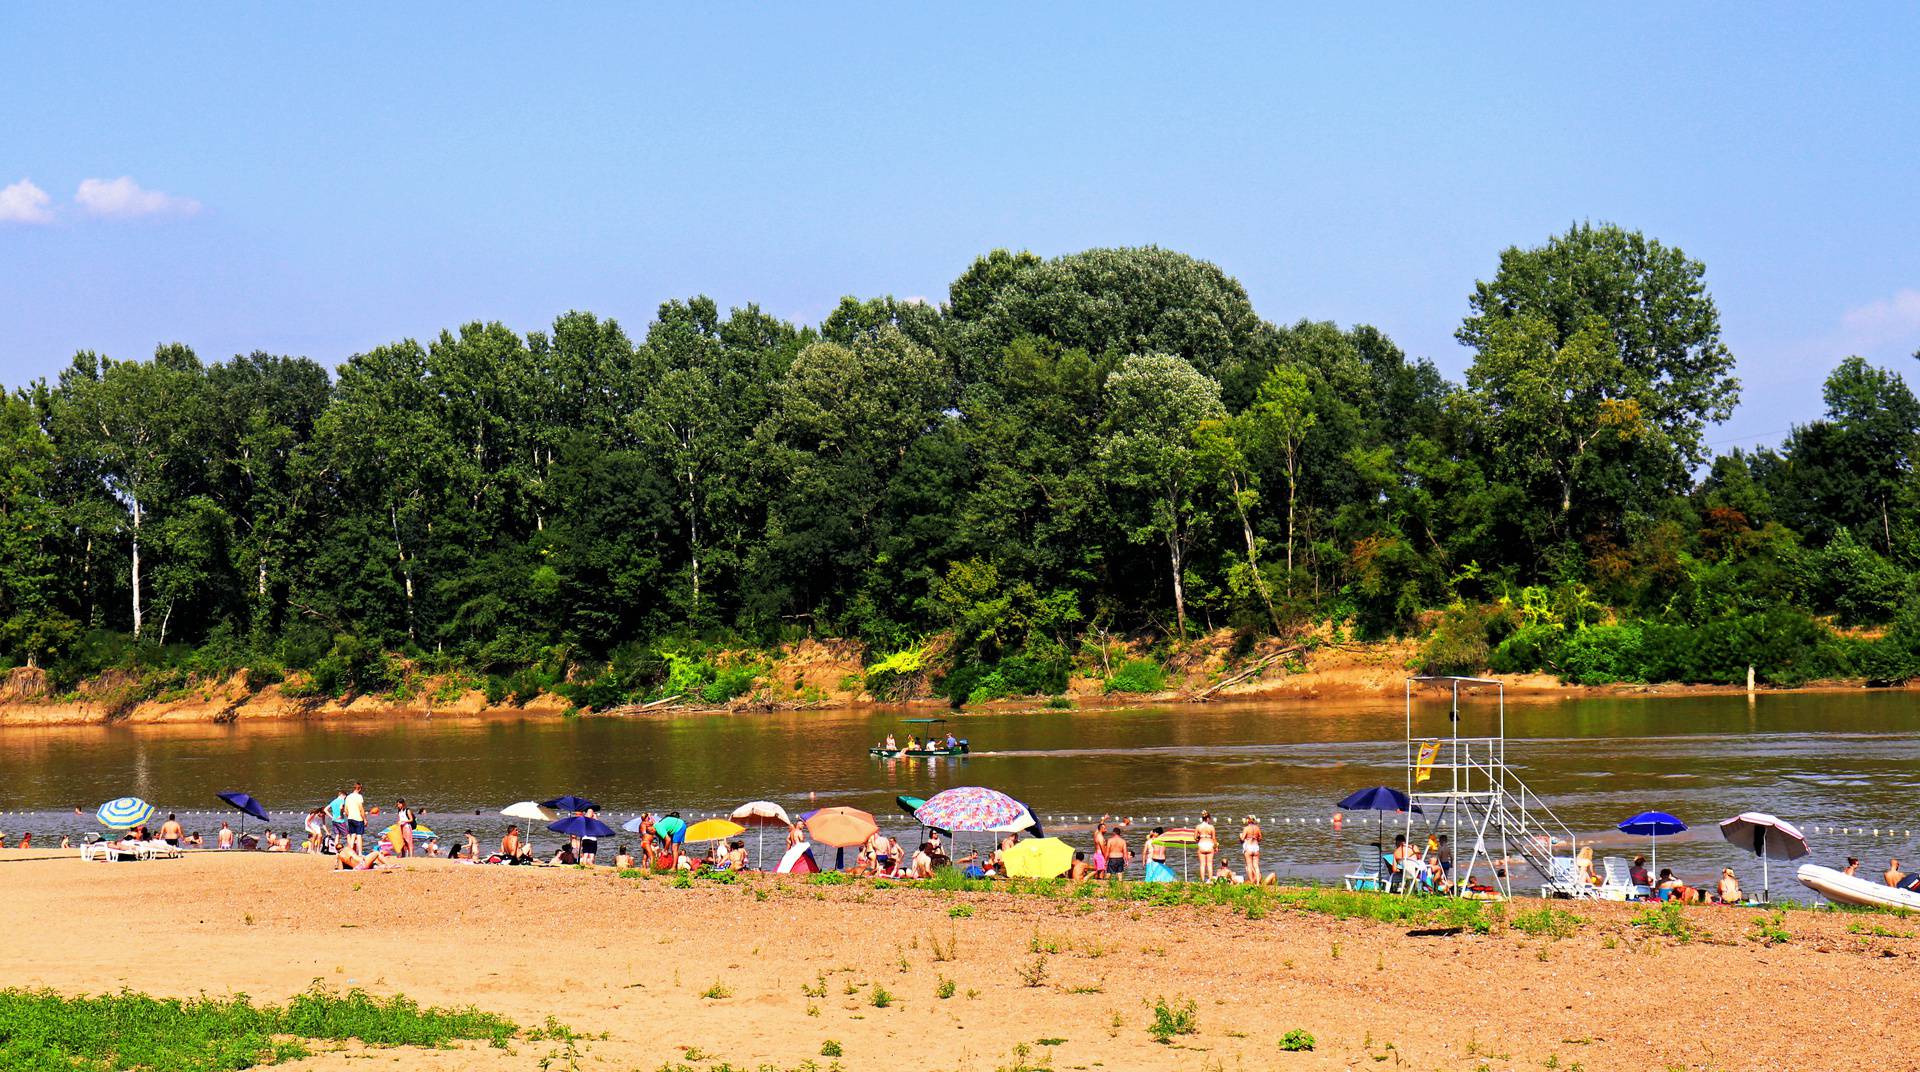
{"type": "Point", "coordinates": [1146, 446]}
{"type": "Point", "coordinates": [1651, 300]}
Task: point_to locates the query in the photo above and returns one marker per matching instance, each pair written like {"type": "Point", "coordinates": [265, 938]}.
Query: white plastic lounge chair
{"type": "Point", "coordinates": [1617, 882]}
{"type": "Point", "coordinates": [1565, 880]}
{"type": "Point", "coordinates": [108, 852]}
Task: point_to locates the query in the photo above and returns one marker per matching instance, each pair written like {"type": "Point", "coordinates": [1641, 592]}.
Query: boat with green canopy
{"type": "Point", "coordinates": [918, 747]}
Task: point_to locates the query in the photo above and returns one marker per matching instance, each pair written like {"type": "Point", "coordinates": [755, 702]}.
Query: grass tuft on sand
{"type": "Point", "coordinates": [129, 1030]}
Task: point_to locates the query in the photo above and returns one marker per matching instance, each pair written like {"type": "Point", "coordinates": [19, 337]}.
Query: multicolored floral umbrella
{"type": "Point", "coordinates": [972, 808]}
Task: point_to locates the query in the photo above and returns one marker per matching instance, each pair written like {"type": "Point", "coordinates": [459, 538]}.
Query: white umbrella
{"type": "Point", "coordinates": [1765, 836]}
{"type": "Point", "coordinates": [530, 811]}
{"type": "Point", "coordinates": [761, 813]}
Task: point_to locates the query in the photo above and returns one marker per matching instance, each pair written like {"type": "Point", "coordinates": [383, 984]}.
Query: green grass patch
{"type": "Point", "coordinates": [1549, 921]}
{"type": "Point", "coordinates": [1668, 920]}
{"type": "Point", "coordinates": [128, 1030]}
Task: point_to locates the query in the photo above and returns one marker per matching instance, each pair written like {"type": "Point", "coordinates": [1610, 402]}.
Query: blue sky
{"type": "Point", "coordinates": [319, 179]}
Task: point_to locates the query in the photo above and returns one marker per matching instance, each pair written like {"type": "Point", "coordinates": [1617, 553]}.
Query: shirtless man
{"type": "Point", "coordinates": [170, 831]}
{"type": "Point", "coordinates": [510, 844]}
{"type": "Point", "coordinates": [1899, 879]}
{"type": "Point", "coordinates": [1116, 852]}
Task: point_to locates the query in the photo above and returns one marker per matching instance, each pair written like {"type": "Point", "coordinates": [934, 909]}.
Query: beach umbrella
{"type": "Point", "coordinates": [124, 813]}
{"type": "Point", "coordinates": [841, 828]}
{"type": "Point", "coordinates": [1378, 800]}
{"type": "Point", "coordinates": [392, 835]}
{"type": "Point", "coordinates": [1655, 825]}
{"type": "Point", "coordinates": [713, 830]}
{"type": "Point", "coordinates": [530, 811]}
{"type": "Point", "coordinates": [1038, 858]}
{"type": "Point", "coordinates": [1765, 837]}
{"type": "Point", "coordinates": [569, 803]}
{"type": "Point", "coordinates": [975, 809]}
{"type": "Point", "coordinates": [761, 814]}
{"type": "Point", "coordinates": [581, 826]}
{"type": "Point", "coordinates": [246, 806]}
{"type": "Point", "coordinates": [1181, 837]}
{"type": "Point", "coordinates": [673, 828]}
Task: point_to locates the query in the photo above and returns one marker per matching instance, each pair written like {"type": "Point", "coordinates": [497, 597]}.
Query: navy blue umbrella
{"type": "Point", "coordinates": [246, 805]}
{"type": "Point", "coordinates": [580, 826]}
{"type": "Point", "coordinates": [569, 803]}
{"type": "Point", "coordinates": [1655, 825]}
{"type": "Point", "coordinates": [1380, 798]}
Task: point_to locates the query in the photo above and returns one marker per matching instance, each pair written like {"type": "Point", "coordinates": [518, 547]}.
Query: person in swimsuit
{"type": "Point", "coordinates": [510, 844]}
{"type": "Point", "coordinates": [1852, 868]}
{"type": "Point", "coordinates": [590, 846]}
{"type": "Point", "coordinates": [1117, 853]}
{"type": "Point", "coordinates": [890, 746]}
{"type": "Point", "coordinates": [170, 831]}
{"type": "Point", "coordinates": [1079, 870]}
{"type": "Point", "coordinates": [1250, 848]}
{"type": "Point", "coordinates": [1729, 888]}
{"type": "Point", "coordinates": [403, 835]}
{"type": "Point", "coordinates": [1154, 852]}
{"type": "Point", "coordinates": [1206, 842]}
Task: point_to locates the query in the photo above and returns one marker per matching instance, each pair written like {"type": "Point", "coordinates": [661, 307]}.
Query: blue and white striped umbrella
{"type": "Point", "coordinates": [124, 813]}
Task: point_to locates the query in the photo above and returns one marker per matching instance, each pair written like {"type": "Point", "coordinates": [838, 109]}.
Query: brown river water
{"type": "Point", "coordinates": [1831, 762]}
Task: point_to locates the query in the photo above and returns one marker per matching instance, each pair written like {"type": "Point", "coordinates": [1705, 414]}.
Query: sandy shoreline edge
{"type": "Point", "coordinates": [767, 970]}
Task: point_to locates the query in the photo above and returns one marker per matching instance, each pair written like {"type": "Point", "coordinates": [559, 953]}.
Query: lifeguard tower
{"type": "Point", "coordinates": [1460, 785]}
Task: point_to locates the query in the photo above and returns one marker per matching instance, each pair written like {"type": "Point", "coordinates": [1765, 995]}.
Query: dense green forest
{"type": "Point", "coordinates": [1107, 444]}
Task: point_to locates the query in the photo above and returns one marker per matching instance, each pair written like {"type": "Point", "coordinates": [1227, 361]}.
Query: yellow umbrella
{"type": "Point", "coordinates": [714, 830]}
{"type": "Point", "coordinates": [1046, 857]}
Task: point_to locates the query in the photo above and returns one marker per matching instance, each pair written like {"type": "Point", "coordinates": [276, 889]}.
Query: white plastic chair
{"type": "Point", "coordinates": [1565, 881]}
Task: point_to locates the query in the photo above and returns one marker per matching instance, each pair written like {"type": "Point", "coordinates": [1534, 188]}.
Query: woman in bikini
{"type": "Point", "coordinates": [1250, 848]}
{"type": "Point", "coordinates": [1206, 842]}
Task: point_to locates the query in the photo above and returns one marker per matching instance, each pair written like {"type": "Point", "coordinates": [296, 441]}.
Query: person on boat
{"type": "Point", "coordinates": [952, 742]}
{"type": "Point", "coordinates": [1728, 888]}
{"type": "Point", "coordinates": [1250, 848]}
{"type": "Point", "coordinates": [1206, 841]}
{"type": "Point", "coordinates": [1853, 867]}
{"type": "Point", "coordinates": [1637, 874]}
{"type": "Point", "coordinates": [913, 743]}
{"type": "Point", "coordinates": [1899, 879]}
{"type": "Point", "coordinates": [890, 745]}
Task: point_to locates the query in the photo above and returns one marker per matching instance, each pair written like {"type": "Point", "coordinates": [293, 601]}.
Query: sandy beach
{"type": "Point", "coordinates": [721, 973]}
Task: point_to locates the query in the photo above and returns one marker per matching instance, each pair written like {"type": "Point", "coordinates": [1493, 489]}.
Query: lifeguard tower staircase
{"type": "Point", "coordinates": [1461, 786]}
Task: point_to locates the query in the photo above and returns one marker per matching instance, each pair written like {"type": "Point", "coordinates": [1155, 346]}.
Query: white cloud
{"type": "Point", "coordinates": [23, 202]}
{"type": "Point", "coordinates": [122, 197]}
{"type": "Point", "coordinates": [1887, 320]}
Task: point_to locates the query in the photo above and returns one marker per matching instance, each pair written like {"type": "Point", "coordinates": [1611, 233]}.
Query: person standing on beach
{"type": "Point", "coordinates": [590, 846]}
{"type": "Point", "coordinates": [1250, 848]}
{"type": "Point", "coordinates": [356, 809]}
{"type": "Point", "coordinates": [403, 827]}
{"type": "Point", "coordinates": [1117, 852]}
{"type": "Point", "coordinates": [337, 817]}
{"type": "Point", "coordinates": [1206, 842]}
{"type": "Point", "coordinates": [170, 831]}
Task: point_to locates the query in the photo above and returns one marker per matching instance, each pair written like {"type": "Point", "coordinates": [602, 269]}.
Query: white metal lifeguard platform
{"type": "Point", "coordinates": [1460, 785]}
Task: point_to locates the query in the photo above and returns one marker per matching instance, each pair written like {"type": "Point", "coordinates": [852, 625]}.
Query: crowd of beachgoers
{"type": "Point", "coordinates": [1114, 847]}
